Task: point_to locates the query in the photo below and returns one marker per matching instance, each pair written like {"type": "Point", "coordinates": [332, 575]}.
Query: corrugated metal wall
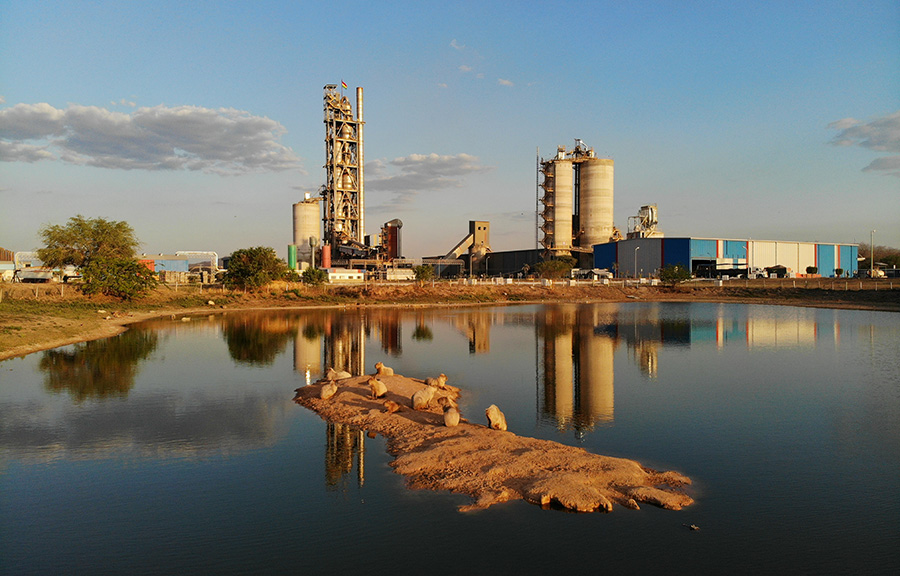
{"type": "Point", "coordinates": [605, 255]}
{"type": "Point", "coordinates": [676, 251]}
{"type": "Point", "coordinates": [827, 258]}
{"type": "Point", "coordinates": [703, 249]}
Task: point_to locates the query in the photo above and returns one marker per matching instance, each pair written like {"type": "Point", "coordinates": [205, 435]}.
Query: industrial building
{"type": "Point", "coordinates": [716, 257]}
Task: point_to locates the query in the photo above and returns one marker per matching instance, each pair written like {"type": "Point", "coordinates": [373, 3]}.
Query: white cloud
{"type": "Point", "coordinates": [504, 82]}
{"type": "Point", "coordinates": [442, 84]}
{"type": "Point", "coordinates": [405, 177]}
{"type": "Point", "coordinates": [881, 135]}
{"type": "Point", "coordinates": [465, 68]}
{"type": "Point", "coordinates": [456, 45]}
{"type": "Point", "coordinates": [124, 102]}
{"type": "Point", "coordinates": [222, 141]}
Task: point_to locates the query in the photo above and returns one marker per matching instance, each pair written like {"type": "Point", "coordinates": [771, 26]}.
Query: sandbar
{"type": "Point", "coordinates": [491, 466]}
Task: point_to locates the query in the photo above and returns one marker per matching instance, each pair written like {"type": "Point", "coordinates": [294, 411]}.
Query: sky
{"type": "Point", "coordinates": [201, 123]}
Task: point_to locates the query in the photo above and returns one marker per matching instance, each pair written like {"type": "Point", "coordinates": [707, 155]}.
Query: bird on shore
{"type": "Point", "coordinates": [332, 374]}
{"type": "Point", "coordinates": [439, 382]}
{"type": "Point", "coordinates": [496, 418]}
{"type": "Point", "coordinates": [377, 386]}
{"type": "Point", "coordinates": [390, 406]}
{"type": "Point", "coordinates": [422, 398]}
{"type": "Point", "coordinates": [328, 390]}
{"type": "Point", "coordinates": [382, 370]}
{"type": "Point", "coordinates": [451, 412]}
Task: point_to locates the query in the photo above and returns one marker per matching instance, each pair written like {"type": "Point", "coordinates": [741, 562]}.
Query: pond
{"type": "Point", "coordinates": [176, 447]}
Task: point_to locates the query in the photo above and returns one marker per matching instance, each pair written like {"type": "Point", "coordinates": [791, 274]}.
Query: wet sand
{"type": "Point", "coordinates": [491, 466]}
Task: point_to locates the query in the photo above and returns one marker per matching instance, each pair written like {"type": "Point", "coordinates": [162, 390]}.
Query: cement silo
{"type": "Point", "coordinates": [307, 219]}
{"type": "Point", "coordinates": [578, 201]}
{"type": "Point", "coordinates": [595, 201]}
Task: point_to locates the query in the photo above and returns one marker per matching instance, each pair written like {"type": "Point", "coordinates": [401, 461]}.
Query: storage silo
{"type": "Point", "coordinates": [595, 202]}
{"type": "Point", "coordinates": [563, 200]}
{"type": "Point", "coordinates": [306, 225]}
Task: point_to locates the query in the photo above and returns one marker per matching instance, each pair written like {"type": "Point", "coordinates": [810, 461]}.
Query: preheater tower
{"type": "Point", "coordinates": [578, 200]}
{"type": "Point", "coordinates": [344, 189]}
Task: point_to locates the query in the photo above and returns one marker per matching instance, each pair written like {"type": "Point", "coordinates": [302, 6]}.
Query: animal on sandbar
{"type": "Point", "coordinates": [328, 390]}
{"type": "Point", "coordinates": [451, 412]}
{"type": "Point", "coordinates": [377, 386]}
{"type": "Point", "coordinates": [422, 398]}
{"type": "Point", "coordinates": [390, 406]}
{"type": "Point", "coordinates": [439, 382]}
{"type": "Point", "coordinates": [496, 419]}
{"type": "Point", "coordinates": [332, 374]}
{"type": "Point", "coordinates": [382, 370]}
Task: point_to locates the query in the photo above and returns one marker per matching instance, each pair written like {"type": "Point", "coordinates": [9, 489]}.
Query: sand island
{"type": "Point", "coordinates": [491, 466]}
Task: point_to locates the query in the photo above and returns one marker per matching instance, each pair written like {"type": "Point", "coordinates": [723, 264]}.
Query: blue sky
{"type": "Point", "coordinates": [200, 123]}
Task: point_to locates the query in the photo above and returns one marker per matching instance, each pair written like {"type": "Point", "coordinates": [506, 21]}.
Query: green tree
{"type": "Point", "coordinates": [674, 273]}
{"type": "Point", "coordinates": [556, 268]}
{"type": "Point", "coordinates": [314, 276]}
{"type": "Point", "coordinates": [838, 272]}
{"type": "Point", "coordinates": [123, 278]}
{"type": "Point", "coordinates": [812, 270]}
{"type": "Point", "coordinates": [423, 272]}
{"type": "Point", "coordinates": [82, 240]}
{"type": "Point", "coordinates": [252, 268]}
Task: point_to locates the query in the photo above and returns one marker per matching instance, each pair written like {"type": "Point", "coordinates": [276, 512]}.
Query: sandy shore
{"type": "Point", "coordinates": [491, 466]}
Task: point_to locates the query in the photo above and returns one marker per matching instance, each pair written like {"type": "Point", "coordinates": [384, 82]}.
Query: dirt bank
{"type": "Point", "coordinates": [491, 466]}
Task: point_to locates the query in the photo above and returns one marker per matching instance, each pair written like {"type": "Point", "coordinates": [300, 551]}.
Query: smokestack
{"type": "Point", "coordinates": [361, 159]}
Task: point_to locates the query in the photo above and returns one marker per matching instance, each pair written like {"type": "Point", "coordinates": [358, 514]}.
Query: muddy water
{"type": "Point", "coordinates": [175, 448]}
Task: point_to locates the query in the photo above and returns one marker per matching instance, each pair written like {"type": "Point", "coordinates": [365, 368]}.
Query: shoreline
{"type": "Point", "coordinates": [44, 330]}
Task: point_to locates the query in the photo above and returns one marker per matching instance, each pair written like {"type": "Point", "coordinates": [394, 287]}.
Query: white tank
{"type": "Point", "coordinates": [307, 221]}
{"type": "Point", "coordinates": [563, 203]}
{"type": "Point", "coordinates": [596, 201]}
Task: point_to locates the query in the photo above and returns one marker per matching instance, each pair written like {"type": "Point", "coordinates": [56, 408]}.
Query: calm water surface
{"type": "Point", "coordinates": [176, 448]}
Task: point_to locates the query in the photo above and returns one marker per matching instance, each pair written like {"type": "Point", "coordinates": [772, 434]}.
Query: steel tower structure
{"type": "Point", "coordinates": [344, 189]}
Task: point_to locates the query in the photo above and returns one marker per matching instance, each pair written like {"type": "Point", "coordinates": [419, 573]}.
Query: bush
{"type": "Point", "coordinates": [423, 272]}
{"type": "Point", "coordinates": [314, 276]}
{"type": "Point", "coordinates": [838, 272]}
{"type": "Point", "coordinates": [123, 278]}
{"type": "Point", "coordinates": [254, 267]}
{"type": "Point", "coordinates": [557, 268]}
{"type": "Point", "coordinates": [812, 270]}
{"type": "Point", "coordinates": [674, 273]}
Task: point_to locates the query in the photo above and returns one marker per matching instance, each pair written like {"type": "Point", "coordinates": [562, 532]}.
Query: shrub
{"type": "Point", "coordinates": [812, 270]}
{"type": "Point", "coordinates": [838, 272]}
{"type": "Point", "coordinates": [556, 268]}
{"type": "Point", "coordinates": [674, 273]}
{"type": "Point", "coordinates": [423, 272]}
{"type": "Point", "coordinates": [254, 267]}
{"type": "Point", "coordinates": [314, 276]}
{"type": "Point", "coordinates": [123, 278]}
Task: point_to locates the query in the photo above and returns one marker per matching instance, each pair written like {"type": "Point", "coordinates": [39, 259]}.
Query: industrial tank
{"type": "Point", "coordinates": [563, 200]}
{"type": "Point", "coordinates": [595, 203]}
{"type": "Point", "coordinates": [306, 226]}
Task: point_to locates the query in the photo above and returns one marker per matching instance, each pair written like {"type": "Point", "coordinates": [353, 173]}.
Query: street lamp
{"type": "Point", "coordinates": [635, 260]}
{"type": "Point", "coordinates": [872, 263]}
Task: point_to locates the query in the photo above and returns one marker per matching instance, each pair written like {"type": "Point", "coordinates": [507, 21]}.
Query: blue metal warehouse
{"type": "Point", "coordinates": [717, 257]}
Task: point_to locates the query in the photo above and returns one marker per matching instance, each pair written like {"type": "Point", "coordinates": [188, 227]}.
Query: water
{"type": "Point", "coordinates": [176, 448]}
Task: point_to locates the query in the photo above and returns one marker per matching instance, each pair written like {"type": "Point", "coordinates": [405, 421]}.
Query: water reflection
{"type": "Point", "coordinates": [98, 368]}
{"type": "Point", "coordinates": [344, 447]}
{"type": "Point", "coordinates": [256, 340]}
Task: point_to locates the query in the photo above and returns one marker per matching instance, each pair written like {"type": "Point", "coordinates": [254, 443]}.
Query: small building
{"type": "Point", "coordinates": [345, 275]}
{"type": "Point", "coordinates": [717, 257]}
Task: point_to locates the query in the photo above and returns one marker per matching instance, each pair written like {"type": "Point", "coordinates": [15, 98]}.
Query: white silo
{"type": "Point", "coordinates": [595, 201]}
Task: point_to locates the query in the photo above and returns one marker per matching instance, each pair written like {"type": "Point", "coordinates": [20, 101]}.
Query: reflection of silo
{"type": "Point", "coordinates": [308, 356]}
{"type": "Point", "coordinates": [562, 204]}
{"type": "Point", "coordinates": [595, 201]}
{"type": "Point", "coordinates": [306, 226]}
{"type": "Point", "coordinates": [562, 378]}
{"type": "Point", "coordinates": [596, 378]}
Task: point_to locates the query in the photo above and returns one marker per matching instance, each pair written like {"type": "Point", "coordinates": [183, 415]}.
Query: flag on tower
{"type": "Point", "coordinates": [343, 85]}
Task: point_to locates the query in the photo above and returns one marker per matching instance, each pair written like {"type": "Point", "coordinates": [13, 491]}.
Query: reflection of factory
{"type": "Point", "coordinates": [578, 376]}
{"type": "Point", "coordinates": [345, 447]}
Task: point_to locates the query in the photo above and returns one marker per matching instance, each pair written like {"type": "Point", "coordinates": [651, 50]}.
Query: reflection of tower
{"type": "Point", "coordinates": [308, 353]}
{"type": "Point", "coordinates": [578, 366]}
{"type": "Point", "coordinates": [343, 446]}
{"type": "Point", "coordinates": [479, 332]}
{"type": "Point", "coordinates": [345, 343]}
{"type": "Point", "coordinates": [595, 376]}
{"type": "Point", "coordinates": [389, 326]}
